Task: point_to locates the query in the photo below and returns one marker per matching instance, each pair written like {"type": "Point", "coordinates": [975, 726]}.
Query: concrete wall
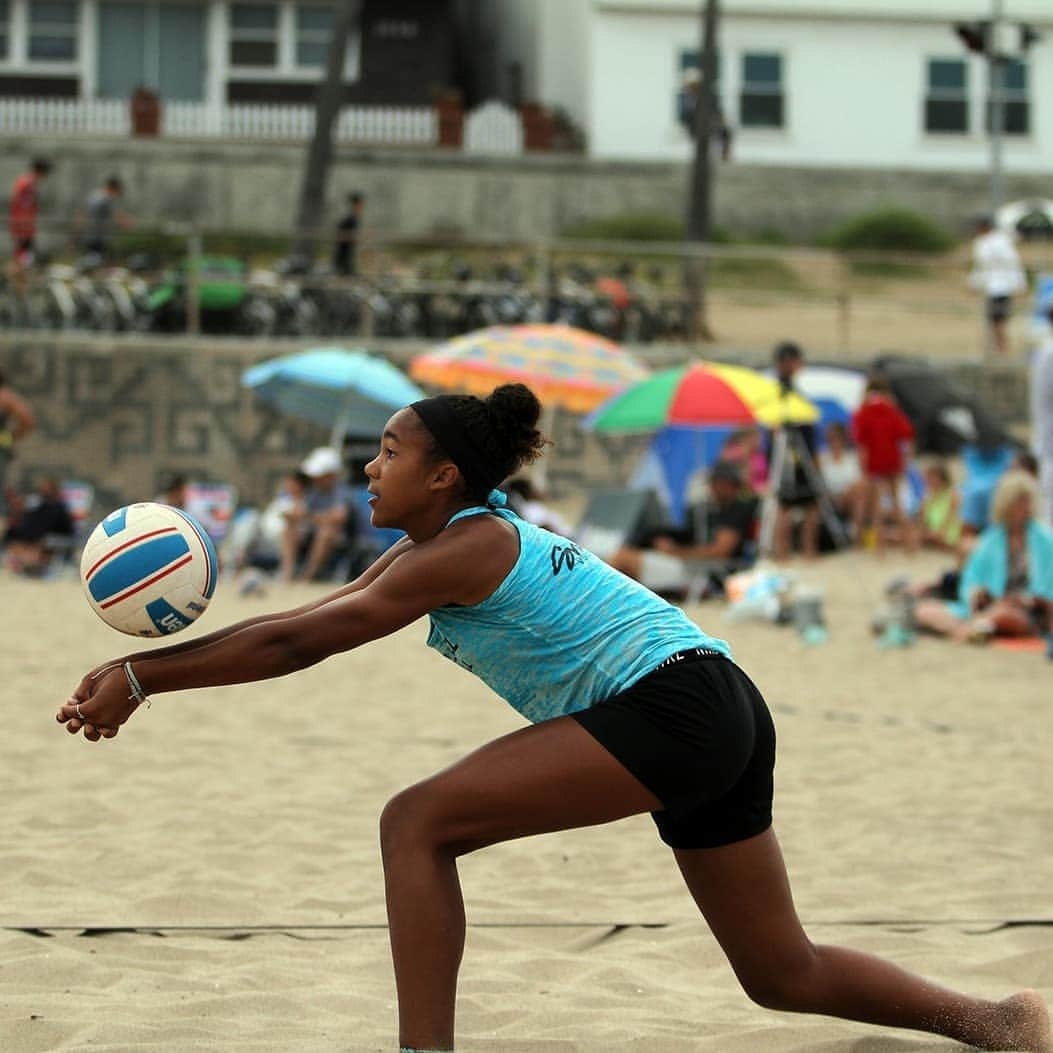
{"type": "Point", "coordinates": [255, 187]}
{"type": "Point", "coordinates": [126, 415]}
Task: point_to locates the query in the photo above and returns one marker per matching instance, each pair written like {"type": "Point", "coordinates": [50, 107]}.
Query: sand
{"type": "Point", "coordinates": [210, 880]}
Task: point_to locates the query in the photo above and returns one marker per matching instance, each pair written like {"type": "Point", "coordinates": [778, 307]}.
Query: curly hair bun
{"type": "Point", "coordinates": [512, 412]}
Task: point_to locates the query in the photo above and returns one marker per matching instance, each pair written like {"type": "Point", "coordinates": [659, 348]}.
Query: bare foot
{"type": "Point", "coordinates": [1027, 1025]}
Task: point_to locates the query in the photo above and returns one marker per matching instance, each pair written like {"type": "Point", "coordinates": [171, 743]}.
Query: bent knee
{"type": "Point", "coordinates": [783, 983]}
{"type": "Point", "coordinates": [415, 819]}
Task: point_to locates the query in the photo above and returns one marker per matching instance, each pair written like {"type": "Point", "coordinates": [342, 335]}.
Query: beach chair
{"type": "Point", "coordinates": [614, 518]}
{"type": "Point", "coordinates": [79, 498]}
{"type": "Point", "coordinates": [213, 505]}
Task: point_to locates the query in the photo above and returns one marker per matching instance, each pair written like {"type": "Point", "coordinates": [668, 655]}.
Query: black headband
{"type": "Point", "coordinates": [438, 416]}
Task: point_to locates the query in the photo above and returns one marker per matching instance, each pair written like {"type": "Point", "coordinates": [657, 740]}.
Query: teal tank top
{"type": "Point", "coordinates": [563, 630]}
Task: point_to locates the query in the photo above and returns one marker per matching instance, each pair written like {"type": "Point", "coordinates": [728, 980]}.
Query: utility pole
{"type": "Point", "coordinates": [996, 63]}
{"type": "Point", "coordinates": [700, 197]}
{"type": "Point", "coordinates": [328, 101]}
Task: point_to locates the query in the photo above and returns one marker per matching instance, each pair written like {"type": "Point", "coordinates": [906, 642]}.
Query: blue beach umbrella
{"type": "Point", "coordinates": [339, 389]}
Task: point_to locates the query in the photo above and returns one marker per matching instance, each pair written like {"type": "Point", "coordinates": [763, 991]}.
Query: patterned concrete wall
{"type": "Point", "coordinates": [125, 417]}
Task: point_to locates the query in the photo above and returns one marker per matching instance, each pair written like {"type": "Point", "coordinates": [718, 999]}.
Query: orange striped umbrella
{"type": "Point", "coordinates": [563, 366]}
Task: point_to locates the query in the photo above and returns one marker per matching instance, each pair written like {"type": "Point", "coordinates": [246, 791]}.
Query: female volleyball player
{"type": "Point", "coordinates": [633, 709]}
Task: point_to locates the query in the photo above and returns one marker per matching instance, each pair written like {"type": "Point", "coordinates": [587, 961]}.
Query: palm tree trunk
{"type": "Point", "coordinates": [700, 196]}
{"type": "Point", "coordinates": [328, 101]}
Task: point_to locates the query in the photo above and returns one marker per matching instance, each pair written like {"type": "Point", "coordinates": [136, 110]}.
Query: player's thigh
{"type": "Point", "coordinates": [744, 894]}
{"type": "Point", "coordinates": [550, 776]}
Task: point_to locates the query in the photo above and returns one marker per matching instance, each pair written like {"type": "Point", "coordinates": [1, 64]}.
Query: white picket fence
{"type": "Point", "coordinates": [493, 128]}
{"type": "Point", "coordinates": [64, 116]}
{"type": "Point", "coordinates": [372, 125]}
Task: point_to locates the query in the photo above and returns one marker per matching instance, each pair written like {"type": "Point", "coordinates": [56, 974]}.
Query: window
{"type": "Point", "coordinates": [1016, 110]}
{"type": "Point", "coordinates": [688, 86]}
{"type": "Point", "coordinates": [947, 97]}
{"type": "Point", "coordinates": [254, 35]}
{"type": "Point", "coordinates": [4, 30]}
{"type": "Point", "coordinates": [396, 28]}
{"type": "Point", "coordinates": [53, 30]}
{"type": "Point", "coordinates": [313, 28]}
{"type": "Point", "coordinates": [761, 101]}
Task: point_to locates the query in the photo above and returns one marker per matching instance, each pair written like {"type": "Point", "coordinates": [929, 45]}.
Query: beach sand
{"type": "Point", "coordinates": [210, 880]}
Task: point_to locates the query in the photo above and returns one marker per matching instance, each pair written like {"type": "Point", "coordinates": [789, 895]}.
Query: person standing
{"type": "Point", "coordinates": [999, 275]}
{"type": "Point", "coordinates": [348, 230]}
{"type": "Point", "coordinates": [22, 212]}
{"type": "Point", "coordinates": [794, 489]}
{"type": "Point", "coordinates": [881, 431]}
{"type": "Point", "coordinates": [16, 421]}
{"type": "Point", "coordinates": [1041, 385]}
{"type": "Point", "coordinates": [102, 213]}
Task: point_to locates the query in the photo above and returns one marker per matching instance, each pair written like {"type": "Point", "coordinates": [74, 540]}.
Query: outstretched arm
{"type": "Point", "coordinates": [370, 574]}
{"type": "Point", "coordinates": [422, 578]}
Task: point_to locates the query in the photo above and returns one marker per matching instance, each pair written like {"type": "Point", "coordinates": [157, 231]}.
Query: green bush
{"type": "Point", "coordinates": [890, 230]}
{"type": "Point", "coordinates": [752, 272]}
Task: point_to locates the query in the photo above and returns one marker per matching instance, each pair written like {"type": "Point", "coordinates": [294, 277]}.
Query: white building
{"type": "Point", "coordinates": [852, 83]}
{"type": "Point", "coordinates": [72, 65]}
{"type": "Point", "coordinates": [188, 51]}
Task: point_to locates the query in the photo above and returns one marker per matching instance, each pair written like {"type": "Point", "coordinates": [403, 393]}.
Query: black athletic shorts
{"type": "Point", "coordinates": [998, 308]}
{"type": "Point", "coordinates": [697, 733]}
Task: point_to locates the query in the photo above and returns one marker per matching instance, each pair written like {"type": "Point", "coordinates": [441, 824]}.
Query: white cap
{"type": "Point", "coordinates": [323, 461]}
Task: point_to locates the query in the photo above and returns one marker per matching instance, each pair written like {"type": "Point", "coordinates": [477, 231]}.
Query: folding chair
{"type": "Point", "coordinates": [79, 498]}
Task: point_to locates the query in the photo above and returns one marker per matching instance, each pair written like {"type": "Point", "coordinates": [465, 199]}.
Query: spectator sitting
{"type": "Point", "coordinates": [839, 467]}
{"type": "Point", "coordinates": [174, 493]}
{"type": "Point", "coordinates": [317, 528]}
{"type": "Point", "coordinates": [1006, 586]}
{"type": "Point", "coordinates": [745, 447]}
{"type": "Point", "coordinates": [946, 586]}
{"type": "Point", "coordinates": [938, 523]}
{"type": "Point", "coordinates": [881, 431]}
{"type": "Point", "coordinates": [728, 522]}
{"type": "Point", "coordinates": [984, 469]}
{"type": "Point", "coordinates": [255, 537]}
{"type": "Point", "coordinates": [44, 516]}
{"type": "Point", "coordinates": [528, 503]}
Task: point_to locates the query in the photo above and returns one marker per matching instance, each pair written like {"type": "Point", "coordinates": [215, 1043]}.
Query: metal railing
{"type": "Point", "coordinates": [196, 281]}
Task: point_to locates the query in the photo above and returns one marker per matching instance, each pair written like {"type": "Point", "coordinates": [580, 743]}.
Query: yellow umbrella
{"type": "Point", "coordinates": [703, 394]}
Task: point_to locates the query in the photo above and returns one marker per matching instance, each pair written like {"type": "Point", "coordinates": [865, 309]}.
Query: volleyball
{"type": "Point", "coordinates": [149, 569]}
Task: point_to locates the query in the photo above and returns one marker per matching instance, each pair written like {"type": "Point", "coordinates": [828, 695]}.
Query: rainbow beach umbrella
{"type": "Point", "coordinates": [702, 395]}
{"type": "Point", "coordinates": [564, 366]}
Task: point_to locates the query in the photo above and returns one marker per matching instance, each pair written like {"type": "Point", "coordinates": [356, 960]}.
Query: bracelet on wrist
{"type": "Point", "coordinates": [137, 695]}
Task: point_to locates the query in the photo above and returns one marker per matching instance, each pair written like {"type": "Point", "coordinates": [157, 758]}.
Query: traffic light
{"type": "Point", "coordinates": [1028, 36]}
{"type": "Point", "coordinates": [974, 35]}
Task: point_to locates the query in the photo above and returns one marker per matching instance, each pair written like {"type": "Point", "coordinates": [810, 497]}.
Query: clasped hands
{"type": "Point", "coordinates": [100, 704]}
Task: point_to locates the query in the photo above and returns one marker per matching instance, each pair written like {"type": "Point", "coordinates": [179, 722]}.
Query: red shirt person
{"type": "Point", "coordinates": [22, 210]}
{"type": "Point", "coordinates": [880, 429]}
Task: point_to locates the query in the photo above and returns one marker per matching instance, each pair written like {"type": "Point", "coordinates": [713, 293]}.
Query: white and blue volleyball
{"type": "Point", "coordinates": [149, 569]}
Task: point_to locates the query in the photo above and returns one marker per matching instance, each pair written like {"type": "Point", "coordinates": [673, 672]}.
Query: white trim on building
{"type": "Point", "coordinates": [851, 78]}
{"type": "Point", "coordinates": [215, 61]}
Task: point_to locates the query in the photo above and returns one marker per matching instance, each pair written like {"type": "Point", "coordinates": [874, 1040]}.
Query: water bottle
{"type": "Point", "coordinates": [808, 617]}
